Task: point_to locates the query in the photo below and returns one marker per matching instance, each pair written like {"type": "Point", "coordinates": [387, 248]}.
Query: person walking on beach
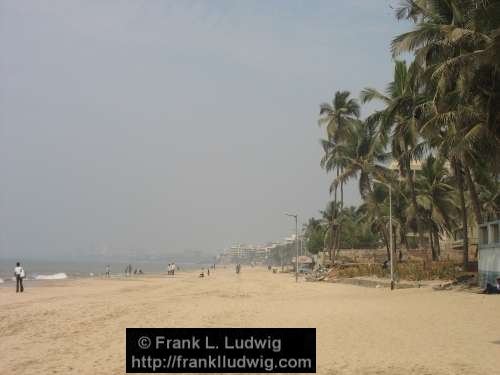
{"type": "Point", "coordinates": [107, 271]}
{"type": "Point", "coordinates": [19, 274]}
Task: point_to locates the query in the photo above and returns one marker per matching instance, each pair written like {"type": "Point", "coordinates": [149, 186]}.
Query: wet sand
{"type": "Point", "coordinates": [79, 326]}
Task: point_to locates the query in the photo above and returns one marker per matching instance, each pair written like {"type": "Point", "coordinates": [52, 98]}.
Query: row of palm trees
{"type": "Point", "coordinates": [436, 140]}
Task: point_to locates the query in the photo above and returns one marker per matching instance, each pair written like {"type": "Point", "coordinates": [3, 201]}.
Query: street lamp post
{"type": "Point", "coordinates": [390, 231]}
{"type": "Point", "coordinates": [297, 242]}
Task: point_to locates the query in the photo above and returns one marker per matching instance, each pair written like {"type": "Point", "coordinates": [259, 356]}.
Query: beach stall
{"type": "Point", "coordinates": [489, 252]}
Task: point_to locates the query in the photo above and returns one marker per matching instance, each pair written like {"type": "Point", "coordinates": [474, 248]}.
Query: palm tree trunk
{"type": "Point", "coordinates": [339, 228]}
{"type": "Point", "coordinates": [335, 196]}
{"type": "Point", "coordinates": [436, 244]}
{"type": "Point", "coordinates": [405, 239]}
{"type": "Point", "coordinates": [433, 243]}
{"type": "Point", "coordinates": [334, 241]}
{"type": "Point", "coordinates": [339, 232]}
{"type": "Point", "coordinates": [341, 190]}
{"type": "Point", "coordinates": [386, 241]}
{"type": "Point", "coordinates": [330, 250]}
{"type": "Point", "coordinates": [476, 206]}
{"type": "Point", "coordinates": [411, 184]}
{"type": "Point", "coordinates": [334, 220]}
{"type": "Point", "coordinates": [403, 244]}
{"type": "Point", "coordinates": [460, 181]}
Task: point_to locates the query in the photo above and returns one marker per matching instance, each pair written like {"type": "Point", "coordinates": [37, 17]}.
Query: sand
{"type": "Point", "coordinates": [79, 326]}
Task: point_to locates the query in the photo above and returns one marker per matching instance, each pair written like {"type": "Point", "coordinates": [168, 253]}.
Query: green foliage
{"type": "Point", "coordinates": [441, 111]}
{"type": "Point", "coordinates": [315, 243]}
{"type": "Point", "coordinates": [354, 233]}
{"type": "Point", "coordinates": [282, 254]}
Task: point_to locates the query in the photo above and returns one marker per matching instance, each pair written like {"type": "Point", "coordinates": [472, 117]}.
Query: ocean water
{"type": "Point", "coordinates": [57, 270]}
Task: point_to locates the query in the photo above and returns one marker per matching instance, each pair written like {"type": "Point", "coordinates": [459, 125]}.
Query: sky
{"type": "Point", "coordinates": [164, 126]}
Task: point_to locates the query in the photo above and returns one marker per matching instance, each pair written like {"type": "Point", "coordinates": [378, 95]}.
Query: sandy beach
{"type": "Point", "coordinates": [78, 326]}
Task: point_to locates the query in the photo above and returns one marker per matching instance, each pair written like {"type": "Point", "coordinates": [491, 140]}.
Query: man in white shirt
{"type": "Point", "coordinates": [19, 274]}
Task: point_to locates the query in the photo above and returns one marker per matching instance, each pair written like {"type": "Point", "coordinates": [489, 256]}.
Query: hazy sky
{"type": "Point", "coordinates": [172, 125]}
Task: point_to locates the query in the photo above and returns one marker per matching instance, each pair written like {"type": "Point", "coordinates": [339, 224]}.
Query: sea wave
{"type": "Point", "coordinates": [55, 276]}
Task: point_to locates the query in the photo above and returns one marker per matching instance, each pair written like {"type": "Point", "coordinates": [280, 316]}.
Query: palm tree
{"type": "Point", "coordinates": [314, 233]}
{"type": "Point", "coordinates": [338, 117]}
{"type": "Point", "coordinates": [363, 156]}
{"type": "Point", "coordinates": [374, 211]}
{"type": "Point", "coordinates": [455, 42]}
{"type": "Point", "coordinates": [329, 216]}
{"type": "Point", "coordinates": [401, 99]}
{"type": "Point", "coordinates": [435, 197]}
{"type": "Point", "coordinates": [443, 107]}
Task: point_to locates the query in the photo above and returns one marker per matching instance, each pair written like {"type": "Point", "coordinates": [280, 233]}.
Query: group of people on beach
{"type": "Point", "coordinates": [128, 271]}
{"type": "Point", "coordinates": [20, 274]}
{"type": "Point", "coordinates": [202, 273]}
{"type": "Point", "coordinates": [171, 268]}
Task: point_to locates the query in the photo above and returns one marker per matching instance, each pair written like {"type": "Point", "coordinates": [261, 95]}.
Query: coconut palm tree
{"type": "Point", "coordinates": [330, 219]}
{"type": "Point", "coordinates": [363, 156]}
{"type": "Point", "coordinates": [454, 41]}
{"type": "Point", "coordinates": [374, 211]}
{"type": "Point", "coordinates": [443, 107]}
{"type": "Point", "coordinates": [401, 98]}
{"type": "Point", "coordinates": [436, 199]}
{"type": "Point", "coordinates": [338, 117]}
{"type": "Point", "coordinates": [314, 233]}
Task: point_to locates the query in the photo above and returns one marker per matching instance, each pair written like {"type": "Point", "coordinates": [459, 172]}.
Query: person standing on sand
{"type": "Point", "coordinates": [107, 271]}
{"type": "Point", "coordinates": [19, 274]}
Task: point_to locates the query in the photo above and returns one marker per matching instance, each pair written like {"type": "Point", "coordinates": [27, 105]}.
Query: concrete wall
{"type": "Point", "coordinates": [489, 252]}
{"type": "Point", "coordinates": [489, 265]}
